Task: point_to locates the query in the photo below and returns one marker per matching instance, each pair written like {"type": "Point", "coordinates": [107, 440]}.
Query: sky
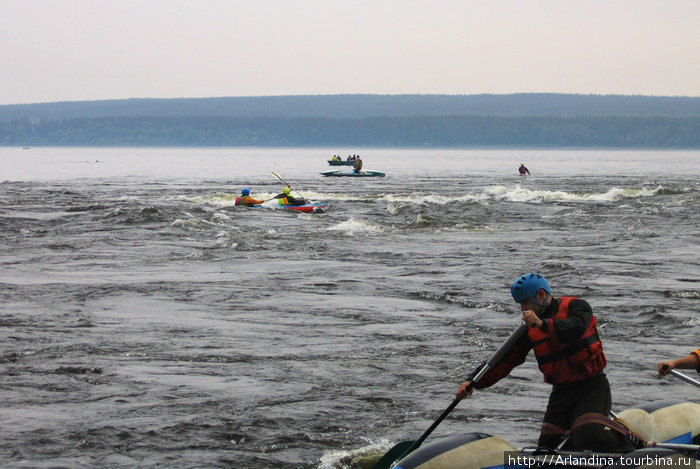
{"type": "Point", "coordinates": [74, 50]}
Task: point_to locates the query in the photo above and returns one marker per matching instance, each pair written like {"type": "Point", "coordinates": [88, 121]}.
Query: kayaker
{"type": "Point", "coordinates": [285, 198]}
{"type": "Point", "coordinates": [523, 170]}
{"type": "Point", "coordinates": [691, 362]}
{"type": "Point", "coordinates": [569, 353]}
{"type": "Point", "coordinates": [357, 167]}
{"type": "Point", "coordinates": [246, 199]}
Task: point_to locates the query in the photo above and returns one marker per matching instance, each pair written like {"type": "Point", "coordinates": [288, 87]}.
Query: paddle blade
{"type": "Point", "coordinates": [277, 175]}
{"type": "Point", "coordinates": [391, 456]}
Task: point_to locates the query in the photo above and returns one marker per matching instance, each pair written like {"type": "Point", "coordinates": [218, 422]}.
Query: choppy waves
{"type": "Point", "coordinates": [157, 324]}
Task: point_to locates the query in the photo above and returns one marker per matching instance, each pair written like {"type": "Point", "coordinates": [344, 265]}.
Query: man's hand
{"type": "Point", "coordinates": [666, 367]}
{"type": "Point", "coordinates": [463, 392]}
{"type": "Point", "coordinates": [530, 318]}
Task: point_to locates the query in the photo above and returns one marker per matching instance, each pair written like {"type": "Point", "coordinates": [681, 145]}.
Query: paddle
{"type": "Point", "coordinates": [277, 175]}
{"type": "Point", "coordinates": [404, 448]}
{"type": "Point", "coordinates": [685, 378]}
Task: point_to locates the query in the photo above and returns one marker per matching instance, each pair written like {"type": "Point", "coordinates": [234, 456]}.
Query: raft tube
{"type": "Point", "coordinates": [669, 422]}
{"type": "Point", "coordinates": [665, 421]}
{"type": "Point", "coordinates": [469, 451]}
{"type": "Point", "coordinates": [483, 451]}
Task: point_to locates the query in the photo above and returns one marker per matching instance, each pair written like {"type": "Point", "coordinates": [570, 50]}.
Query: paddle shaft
{"type": "Point", "coordinates": [479, 373]}
{"type": "Point", "coordinates": [675, 446]}
{"type": "Point", "coordinates": [277, 175]}
{"type": "Point", "coordinates": [685, 378]}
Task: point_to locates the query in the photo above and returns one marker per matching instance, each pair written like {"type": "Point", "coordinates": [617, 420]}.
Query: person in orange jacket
{"type": "Point", "coordinates": [691, 362]}
{"type": "Point", "coordinates": [563, 333]}
{"type": "Point", "coordinates": [246, 199]}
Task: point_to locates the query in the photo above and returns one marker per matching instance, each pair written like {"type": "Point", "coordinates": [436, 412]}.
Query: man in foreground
{"type": "Point", "coordinates": [563, 332]}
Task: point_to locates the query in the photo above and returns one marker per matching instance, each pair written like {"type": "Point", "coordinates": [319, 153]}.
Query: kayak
{"type": "Point", "coordinates": [339, 173]}
{"type": "Point", "coordinates": [311, 207]}
{"type": "Point", "coordinates": [670, 428]}
{"type": "Point", "coordinates": [341, 163]}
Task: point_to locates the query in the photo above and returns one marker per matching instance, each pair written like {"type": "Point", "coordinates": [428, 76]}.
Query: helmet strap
{"type": "Point", "coordinates": [543, 304]}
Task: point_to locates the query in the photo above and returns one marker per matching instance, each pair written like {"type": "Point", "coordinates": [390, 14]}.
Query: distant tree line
{"type": "Point", "coordinates": [360, 106]}
{"type": "Point", "coordinates": [416, 131]}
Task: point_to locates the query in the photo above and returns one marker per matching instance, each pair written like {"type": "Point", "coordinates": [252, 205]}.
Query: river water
{"type": "Point", "coordinates": [147, 322]}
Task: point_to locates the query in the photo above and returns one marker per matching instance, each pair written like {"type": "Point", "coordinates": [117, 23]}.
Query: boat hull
{"type": "Point", "coordinates": [338, 173]}
{"type": "Point", "coordinates": [313, 207]}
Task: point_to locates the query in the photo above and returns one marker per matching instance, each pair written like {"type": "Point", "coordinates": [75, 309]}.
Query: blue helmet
{"type": "Point", "coordinates": [245, 192]}
{"type": "Point", "coordinates": [527, 286]}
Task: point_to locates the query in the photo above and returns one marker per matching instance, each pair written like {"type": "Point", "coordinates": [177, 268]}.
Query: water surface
{"type": "Point", "coordinates": [148, 322]}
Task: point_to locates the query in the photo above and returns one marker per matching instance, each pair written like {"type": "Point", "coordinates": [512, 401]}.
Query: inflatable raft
{"type": "Point", "coordinates": [338, 173]}
{"type": "Point", "coordinates": [670, 429]}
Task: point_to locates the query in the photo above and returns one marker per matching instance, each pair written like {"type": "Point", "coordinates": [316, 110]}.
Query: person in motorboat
{"type": "Point", "coordinates": [522, 170]}
{"type": "Point", "coordinates": [246, 199]}
{"type": "Point", "coordinates": [563, 332]}
{"type": "Point", "coordinates": [350, 158]}
{"type": "Point", "coordinates": [285, 198]}
{"type": "Point", "coordinates": [336, 158]}
{"type": "Point", "coordinates": [357, 167]}
{"type": "Point", "coordinates": [690, 362]}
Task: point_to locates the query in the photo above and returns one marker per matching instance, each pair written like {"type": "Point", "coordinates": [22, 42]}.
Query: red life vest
{"type": "Point", "coordinates": [568, 363]}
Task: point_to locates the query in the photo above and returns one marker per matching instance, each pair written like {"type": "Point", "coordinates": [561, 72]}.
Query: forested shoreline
{"type": "Point", "coordinates": [361, 120]}
{"type": "Point", "coordinates": [427, 131]}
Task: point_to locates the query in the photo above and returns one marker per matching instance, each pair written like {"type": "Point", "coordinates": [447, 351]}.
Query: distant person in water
{"type": "Point", "coordinates": [357, 167]}
{"type": "Point", "coordinates": [285, 198]}
{"type": "Point", "coordinates": [691, 362]}
{"type": "Point", "coordinates": [523, 170]}
{"type": "Point", "coordinates": [246, 199]}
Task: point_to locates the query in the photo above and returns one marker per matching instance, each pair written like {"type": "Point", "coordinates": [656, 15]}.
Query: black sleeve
{"type": "Point", "coordinates": [571, 329]}
{"type": "Point", "coordinates": [503, 368]}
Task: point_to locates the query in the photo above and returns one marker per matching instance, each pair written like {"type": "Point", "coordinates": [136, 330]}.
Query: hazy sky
{"type": "Point", "coordinates": [65, 50]}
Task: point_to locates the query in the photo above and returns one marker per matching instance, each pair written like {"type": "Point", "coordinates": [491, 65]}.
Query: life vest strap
{"type": "Point", "coordinates": [570, 350]}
